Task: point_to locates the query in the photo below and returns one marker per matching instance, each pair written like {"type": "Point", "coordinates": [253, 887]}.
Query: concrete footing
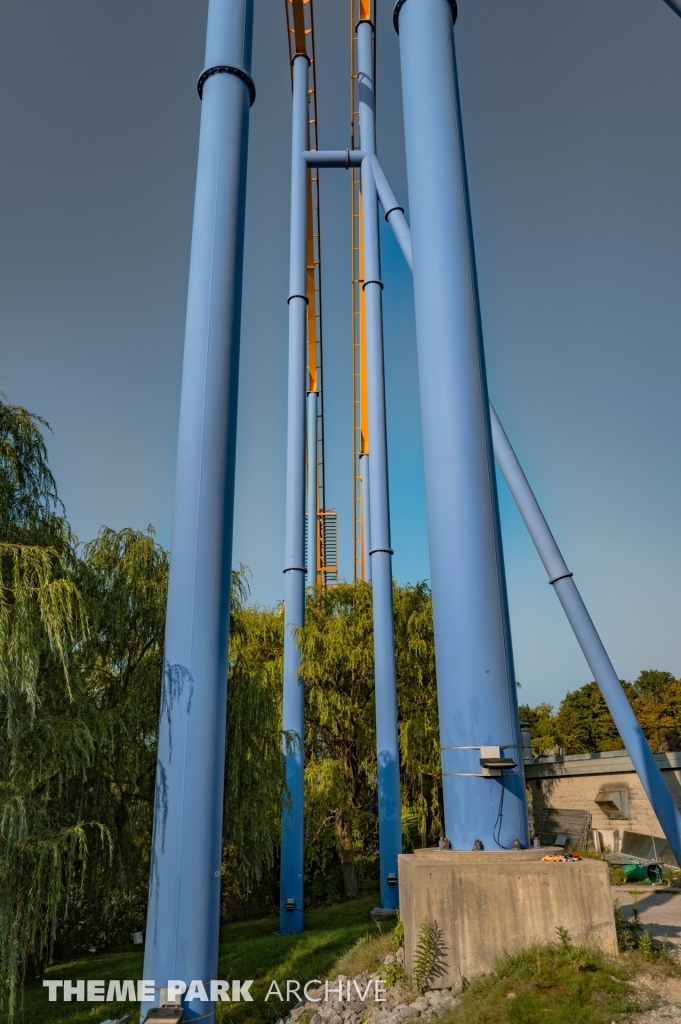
{"type": "Point", "coordinates": [486, 904]}
{"type": "Point", "coordinates": [383, 913]}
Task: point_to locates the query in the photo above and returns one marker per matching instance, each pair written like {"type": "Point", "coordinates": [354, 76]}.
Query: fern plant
{"type": "Point", "coordinates": [428, 956]}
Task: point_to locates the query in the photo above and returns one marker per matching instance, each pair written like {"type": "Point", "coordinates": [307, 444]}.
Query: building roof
{"type": "Point", "coordinates": [606, 762]}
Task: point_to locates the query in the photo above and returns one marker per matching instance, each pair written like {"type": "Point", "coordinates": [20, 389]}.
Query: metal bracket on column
{"type": "Point", "coordinates": [400, 4]}
{"type": "Point", "coordinates": [226, 69]}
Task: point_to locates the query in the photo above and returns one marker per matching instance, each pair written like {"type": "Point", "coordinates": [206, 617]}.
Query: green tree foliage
{"type": "Point", "coordinates": [46, 743]}
{"type": "Point", "coordinates": [657, 702]}
{"type": "Point", "coordinates": [340, 739]}
{"type": "Point", "coordinates": [77, 767]}
{"type": "Point", "coordinates": [123, 579]}
{"type": "Point", "coordinates": [541, 721]}
{"type": "Point", "coordinates": [40, 610]}
{"type": "Point", "coordinates": [30, 509]}
{"type": "Point", "coordinates": [340, 757]}
{"type": "Point", "coordinates": [254, 767]}
{"type": "Point", "coordinates": [419, 727]}
{"type": "Point", "coordinates": [583, 723]}
{"type": "Point", "coordinates": [81, 656]}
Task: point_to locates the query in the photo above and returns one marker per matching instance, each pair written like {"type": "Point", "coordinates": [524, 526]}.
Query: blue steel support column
{"type": "Point", "coordinates": [394, 213]}
{"type": "Point", "coordinates": [560, 577]}
{"type": "Point", "coordinates": [312, 486]}
{"type": "Point", "coordinates": [291, 920]}
{"type": "Point", "coordinates": [184, 893]}
{"type": "Point", "coordinates": [475, 675]}
{"type": "Point", "coordinates": [675, 6]}
{"type": "Point", "coordinates": [364, 462]}
{"type": "Point", "coordinates": [389, 816]}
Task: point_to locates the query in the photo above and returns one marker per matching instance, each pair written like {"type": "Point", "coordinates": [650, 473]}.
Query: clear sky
{"type": "Point", "coordinates": [572, 120]}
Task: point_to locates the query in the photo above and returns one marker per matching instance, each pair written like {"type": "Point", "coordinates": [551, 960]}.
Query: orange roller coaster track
{"type": "Point", "coordinates": [324, 536]}
{"type": "Point", "coordinates": [360, 10]}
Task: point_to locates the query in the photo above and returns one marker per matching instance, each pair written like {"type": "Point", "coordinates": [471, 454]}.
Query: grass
{"type": "Point", "coordinates": [552, 985]}
{"type": "Point", "coordinates": [249, 949]}
{"type": "Point", "coordinates": [330, 932]}
{"type": "Point", "coordinates": [559, 984]}
{"type": "Point", "coordinates": [366, 956]}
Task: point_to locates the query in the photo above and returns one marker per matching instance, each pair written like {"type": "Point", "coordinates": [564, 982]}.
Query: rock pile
{"type": "Point", "coordinates": [345, 1005]}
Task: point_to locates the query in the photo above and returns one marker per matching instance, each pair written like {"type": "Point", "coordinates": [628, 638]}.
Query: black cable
{"type": "Point", "coordinates": [496, 823]}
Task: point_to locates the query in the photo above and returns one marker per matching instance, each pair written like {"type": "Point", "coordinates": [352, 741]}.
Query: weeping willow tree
{"type": "Point", "coordinates": [340, 736]}
{"type": "Point", "coordinates": [81, 653]}
{"type": "Point", "coordinates": [255, 775]}
{"type": "Point", "coordinates": [46, 743]}
{"type": "Point", "coordinates": [419, 730]}
{"type": "Point", "coordinates": [77, 767]}
{"type": "Point", "coordinates": [340, 724]}
{"type": "Point", "coordinates": [123, 579]}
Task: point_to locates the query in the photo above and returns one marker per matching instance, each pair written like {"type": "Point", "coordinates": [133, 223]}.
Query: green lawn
{"type": "Point", "coordinates": [247, 950]}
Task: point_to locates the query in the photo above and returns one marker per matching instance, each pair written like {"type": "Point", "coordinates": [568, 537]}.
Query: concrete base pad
{"type": "Point", "coordinates": [490, 903]}
{"type": "Point", "coordinates": [383, 913]}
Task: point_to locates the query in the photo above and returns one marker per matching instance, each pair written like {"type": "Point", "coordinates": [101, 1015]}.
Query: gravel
{"type": "Point", "coordinates": [662, 1015]}
{"type": "Point", "coordinates": [397, 1005]}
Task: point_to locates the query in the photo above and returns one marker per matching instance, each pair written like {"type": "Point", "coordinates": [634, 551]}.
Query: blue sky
{"type": "Point", "coordinates": [573, 134]}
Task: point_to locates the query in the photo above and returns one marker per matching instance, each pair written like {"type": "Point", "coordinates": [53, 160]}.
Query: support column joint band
{"type": "Point", "coordinates": [400, 4]}
{"type": "Point", "coordinates": [563, 576]}
{"type": "Point", "coordinates": [226, 69]}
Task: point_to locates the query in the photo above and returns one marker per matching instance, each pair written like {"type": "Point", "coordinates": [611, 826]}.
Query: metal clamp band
{"type": "Point", "coordinates": [563, 576]}
{"type": "Point", "coordinates": [400, 4]}
{"type": "Point", "coordinates": [392, 210]}
{"type": "Point", "coordinates": [226, 69]}
{"type": "Point", "coordinates": [502, 746]}
{"type": "Point", "coordinates": [295, 568]}
{"type": "Point", "coordinates": [379, 283]}
{"type": "Point", "coordinates": [304, 297]}
{"type": "Point", "coordinates": [479, 775]}
{"type": "Point", "coordinates": [385, 551]}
